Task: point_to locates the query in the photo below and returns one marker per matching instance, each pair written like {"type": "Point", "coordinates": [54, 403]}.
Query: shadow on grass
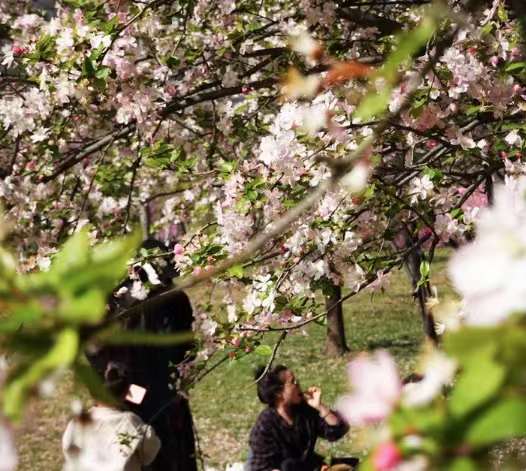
{"type": "Point", "coordinates": [393, 343]}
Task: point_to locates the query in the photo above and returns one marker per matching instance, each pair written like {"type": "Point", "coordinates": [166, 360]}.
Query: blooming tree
{"type": "Point", "coordinates": [287, 147]}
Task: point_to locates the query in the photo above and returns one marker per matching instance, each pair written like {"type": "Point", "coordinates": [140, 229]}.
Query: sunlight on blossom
{"type": "Point", "coordinates": [376, 389]}
{"type": "Point", "coordinates": [490, 272]}
{"type": "Point", "coordinates": [438, 371]}
{"type": "Point", "coordinates": [303, 43]}
{"type": "Point", "coordinates": [356, 180]}
{"type": "Point", "coordinates": [297, 85]}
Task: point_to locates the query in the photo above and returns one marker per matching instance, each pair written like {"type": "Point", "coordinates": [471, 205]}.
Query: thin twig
{"type": "Point", "coordinates": [272, 357]}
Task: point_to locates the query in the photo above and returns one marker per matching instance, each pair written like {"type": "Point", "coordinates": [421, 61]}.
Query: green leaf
{"type": "Point", "coordinates": [455, 213]}
{"type": "Point", "coordinates": [111, 25]}
{"type": "Point", "coordinates": [88, 68]}
{"type": "Point", "coordinates": [463, 464]}
{"type": "Point", "coordinates": [408, 44]}
{"type": "Point", "coordinates": [515, 66]}
{"type": "Point", "coordinates": [502, 13]}
{"type": "Point", "coordinates": [465, 344]}
{"type": "Point", "coordinates": [369, 193]}
{"type": "Point", "coordinates": [21, 315]}
{"type": "Point", "coordinates": [424, 269]}
{"type": "Point", "coordinates": [61, 355]}
{"type": "Point", "coordinates": [103, 73]}
{"type": "Point", "coordinates": [479, 382]}
{"type": "Point", "coordinates": [73, 254]}
{"type": "Point", "coordinates": [505, 420]}
{"type": "Point", "coordinates": [263, 350]}
{"type": "Point", "coordinates": [237, 271]}
{"type": "Point", "coordinates": [87, 308]}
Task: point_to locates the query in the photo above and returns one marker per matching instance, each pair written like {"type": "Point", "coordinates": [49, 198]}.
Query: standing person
{"type": "Point", "coordinates": [154, 367]}
{"type": "Point", "coordinates": [285, 433]}
{"type": "Point", "coordinates": [109, 437]}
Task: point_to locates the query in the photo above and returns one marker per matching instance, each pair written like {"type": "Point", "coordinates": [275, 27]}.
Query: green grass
{"type": "Point", "coordinates": [225, 404]}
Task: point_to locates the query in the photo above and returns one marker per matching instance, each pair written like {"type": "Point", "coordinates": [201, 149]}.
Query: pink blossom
{"type": "Point", "coordinates": [495, 61]}
{"type": "Point", "coordinates": [236, 341]}
{"type": "Point", "coordinates": [386, 457]}
{"type": "Point", "coordinates": [376, 389]}
{"type": "Point", "coordinates": [197, 271]}
{"type": "Point", "coordinates": [178, 249]}
{"type": "Point", "coordinates": [209, 267]}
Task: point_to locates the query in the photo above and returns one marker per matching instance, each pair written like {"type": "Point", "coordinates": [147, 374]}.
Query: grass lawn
{"type": "Point", "coordinates": [225, 404]}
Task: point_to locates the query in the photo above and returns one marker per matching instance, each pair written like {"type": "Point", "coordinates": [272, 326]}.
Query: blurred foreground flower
{"type": "Point", "coordinates": [356, 180]}
{"type": "Point", "coordinates": [9, 458]}
{"type": "Point", "coordinates": [438, 371]}
{"type": "Point", "coordinates": [303, 43]}
{"type": "Point", "coordinates": [490, 272]}
{"type": "Point", "coordinates": [297, 85]}
{"type": "Point", "coordinates": [376, 389]}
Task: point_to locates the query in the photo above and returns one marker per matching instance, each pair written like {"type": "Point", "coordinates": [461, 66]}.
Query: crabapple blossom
{"type": "Point", "coordinates": [387, 457]}
{"type": "Point", "coordinates": [419, 188]}
{"type": "Point", "coordinates": [487, 271]}
{"type": "Point", "coordinates": [376, 389]}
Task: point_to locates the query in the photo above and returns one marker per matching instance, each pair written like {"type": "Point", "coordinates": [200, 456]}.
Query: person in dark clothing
{"type": "Point", "coordinates": [285, 433]}
{"type": "Point", "coordinates": [155, 367]}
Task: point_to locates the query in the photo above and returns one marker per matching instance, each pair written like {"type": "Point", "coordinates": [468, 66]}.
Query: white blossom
{"type": "Point", "coordinates": [490, 272]}
{"type": "Point", "coordinates": [420, 188]}
{"type": "Point", "coordinates": [9, 458]}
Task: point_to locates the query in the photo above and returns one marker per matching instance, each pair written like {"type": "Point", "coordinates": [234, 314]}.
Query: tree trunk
{"type": "Point", "coordinates": [335, 343]}
{"type": "Point", "coordinates": [420, 293]}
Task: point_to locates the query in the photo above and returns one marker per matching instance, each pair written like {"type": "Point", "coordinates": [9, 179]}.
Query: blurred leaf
{"type": "Point", "coordinates": [263, 350]}
{"type": "Point", "coordinates": [119, 337]}
{"type": "Point", "coordinates": [61, 355]}
{"type": "Point", "coordinates": [105, 266]}
{"type": "Point", "coordinates": [479, 382]}
{"type": "Point", "coordinates": [463, 464]}
{"type": "Point", "coordinates": [505, 420]}
{"type": "Point", "coordinates": [409, 43]}
{"type": "Point", "coordinates": [73, 254]}
{"type": "Point", "coordinates": [464, 344]}
{"type": "Point", "coordinates": [237, 271]}
{"type": "Point", "coordinates": [22, 314]}
{"type": "Point", "coordinates": [88, 308]}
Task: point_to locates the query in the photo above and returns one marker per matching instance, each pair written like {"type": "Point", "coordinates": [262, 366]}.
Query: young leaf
{"type": "Point", "coordinates": [263, 350]}
{"type": "Point", "coordinates": [237, 271]}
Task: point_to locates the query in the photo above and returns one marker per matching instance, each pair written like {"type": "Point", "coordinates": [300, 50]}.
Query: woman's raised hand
{"type": "Point", "coordinates": [314, 397]}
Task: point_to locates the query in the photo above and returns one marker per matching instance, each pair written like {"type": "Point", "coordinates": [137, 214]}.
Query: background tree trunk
{"type": "Point", "coordinates": [335, 344]}
{"type": "Point", "coordinates": [420, 293]}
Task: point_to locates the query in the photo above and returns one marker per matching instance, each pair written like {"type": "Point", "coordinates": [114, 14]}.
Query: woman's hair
{"type": "Point", "coordinates": [116, 379]}
{"type": "Point", "coordinates": [270, 385]}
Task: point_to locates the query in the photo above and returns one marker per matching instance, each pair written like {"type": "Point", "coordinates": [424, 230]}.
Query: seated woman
{"type": "Point", "coordinates": [109, 437]}
{"type": "Point", "coordinates": [285, 433]}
